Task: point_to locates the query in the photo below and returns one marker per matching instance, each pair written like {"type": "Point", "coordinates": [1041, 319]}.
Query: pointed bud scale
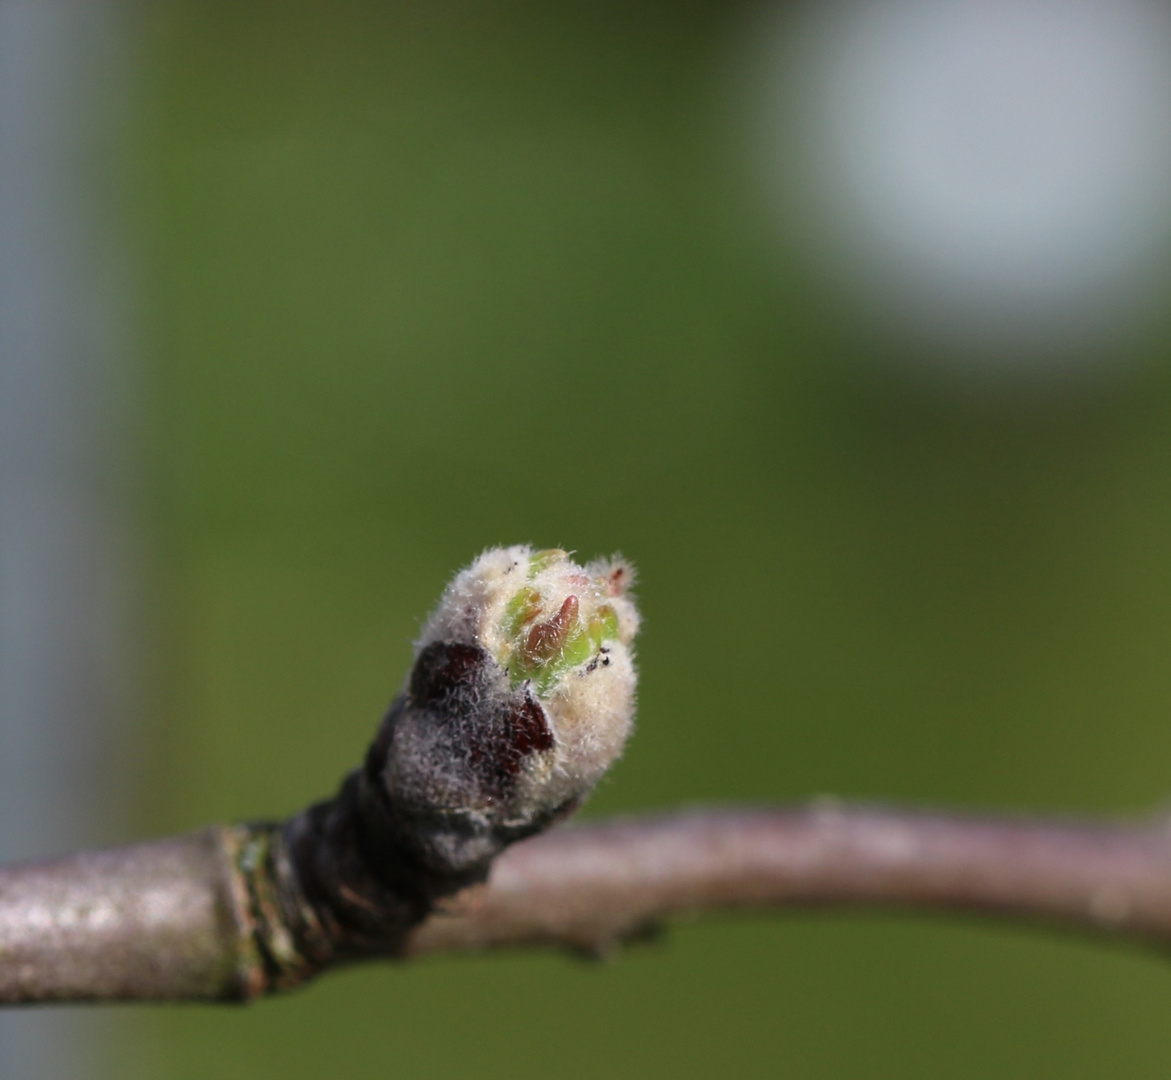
{"type": "Point", "coordinates": [546, 640]}
{"type": "Point", "coordinates": [521, 696]}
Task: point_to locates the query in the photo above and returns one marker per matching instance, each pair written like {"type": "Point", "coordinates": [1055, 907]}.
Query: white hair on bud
{"type": "Point", "coordinates": [562, 635]}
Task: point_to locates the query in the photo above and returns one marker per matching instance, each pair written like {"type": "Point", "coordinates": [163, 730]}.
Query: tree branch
{"type": "Point", "coordinates": [210, 917]}
{"type": "Point", "coordinates": [590, 887]}
{"type": "Point", "coordinates": [520, 696]}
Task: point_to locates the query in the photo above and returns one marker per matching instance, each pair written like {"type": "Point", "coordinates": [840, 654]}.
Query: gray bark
{"type": "Point", "coordinates": [233, 913]}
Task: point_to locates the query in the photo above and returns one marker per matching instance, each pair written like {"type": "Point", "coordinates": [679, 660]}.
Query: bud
{"type": "Point", "coordinates": [520, 697]}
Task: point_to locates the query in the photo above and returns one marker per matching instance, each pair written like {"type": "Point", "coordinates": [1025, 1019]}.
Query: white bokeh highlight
{"type": "Point", "coordinates": [990, 177]}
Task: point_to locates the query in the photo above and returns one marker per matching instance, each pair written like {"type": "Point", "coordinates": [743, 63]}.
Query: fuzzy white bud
{"type": "Point", "coordinates": [521, 696]}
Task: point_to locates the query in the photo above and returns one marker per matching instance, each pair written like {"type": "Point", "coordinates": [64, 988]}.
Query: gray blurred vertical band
{"type": "Point", "coordinates": [63, 510]}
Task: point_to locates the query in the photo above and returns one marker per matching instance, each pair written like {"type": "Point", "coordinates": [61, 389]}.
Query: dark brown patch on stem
{"type": "Point", "coordinates": [526, 731]}
{"type": "Point", "coordinates": [448, 674]}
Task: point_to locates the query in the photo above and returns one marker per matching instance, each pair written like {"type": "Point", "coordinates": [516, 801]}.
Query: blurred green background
{"type": "Point", "coordinates": [428, 278]}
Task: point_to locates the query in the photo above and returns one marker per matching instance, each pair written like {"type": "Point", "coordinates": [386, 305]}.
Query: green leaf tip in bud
{"type": "Point", "coordinates": [521, 696]}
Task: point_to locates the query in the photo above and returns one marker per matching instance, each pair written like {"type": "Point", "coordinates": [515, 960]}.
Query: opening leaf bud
{"type": "Point", "coordinates": [521, 696]}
